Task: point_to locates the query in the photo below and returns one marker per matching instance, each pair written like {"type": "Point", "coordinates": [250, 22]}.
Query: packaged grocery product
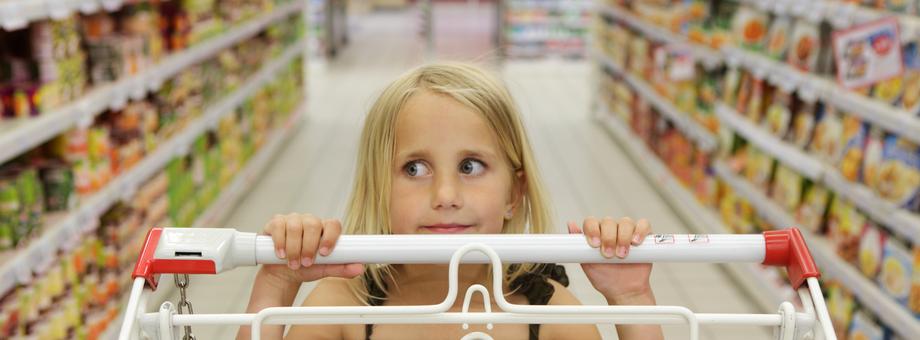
{"type": "Point", "coordinates": [730, 85]}
{"type": "Point", "coordinates": [639, 57]}
{"type": "Point", "coordinates": [787, 188]}
{"type": "Point", "coordinates": [844, 223]}
{"type": "Point", "coordinates": [853, 140]}
{"type": "Point", "coordinates": [889, 91]}
{"type": "Point", "coordinates": [58, 185]}
{"type": "Point", "coordinates": [865, 327]}
{"type": "Point", "coordinates": [900, 6]}
{"type": "Point", "coordinates": [914, 300]}
{"type": "Point", "coordinates": [810, 214]}
{"type": "Point", "coordinates": [759, 168]}
{"type": "Point", "coordinates": [840, 306]}
{"type": "Point", "coordinates": [872, 161]}
{"type": "Point", "coordinates": [745, 88]}
{"type": "Point", "coordinates": [897, 270]}
{"type": "Point", "coordinates": [777, 40]}
{"type": "Point", "coordinates": [760, 95]}
{"type": "Point", "coordinates": [779, 113]}
{"type": "Point", "coordinates": [804, 46]}
{"type": "Point", "coordinates": [910, 100]}
{"type": "Point", "coordinates": [749, 28]}
{"type": "Point", "coordinates": [828, 134]}
{"type": "Point", "coordinates": [871, 249]}
{"type": "Point", "coordinates": [707, 96]}
{"type": "Point", "coordinates": [9, 214]}
{"type": "Point", "coordinates": [899, 174]}
{"type": "Point", "coordinates": [803, 123]}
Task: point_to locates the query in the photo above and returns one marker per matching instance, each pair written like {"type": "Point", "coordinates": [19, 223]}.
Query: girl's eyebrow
{"type": "Point", "coordinates": [425, 153]}
{"type": "Point", "coordinates": [412, 154]}
{"type": "Point", "coordinates": [478, 153]}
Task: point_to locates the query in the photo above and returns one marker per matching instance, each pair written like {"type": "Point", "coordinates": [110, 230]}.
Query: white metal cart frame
{"type": "Point", "coordinates": [211, 251]}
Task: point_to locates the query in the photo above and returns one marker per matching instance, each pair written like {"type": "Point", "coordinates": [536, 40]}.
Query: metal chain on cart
{"type": "Point", "coordinates": [182, 283]}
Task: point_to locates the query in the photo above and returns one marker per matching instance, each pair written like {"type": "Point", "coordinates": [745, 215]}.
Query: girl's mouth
{"type": "Point", "coordinates": [451, 228]}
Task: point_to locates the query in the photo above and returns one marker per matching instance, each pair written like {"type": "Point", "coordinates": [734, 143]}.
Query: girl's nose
{"type": "Point", "coordinates": [446, 193]}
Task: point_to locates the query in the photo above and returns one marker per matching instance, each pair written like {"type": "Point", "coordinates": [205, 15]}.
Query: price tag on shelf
{"type": "Point", "coordinates": [68, 238]}
{"type": "Point", "coordinates": [111, 5]}
{"type": "Point", "coordinates": [127, 191]}
{"type": "Point", "coordinates": [11, 15]}
{"type": "Point", "coordinates": [22, 270]}
{"type": "Point", "coordinates": [119, 98]}
{"type": "Point", "coordinates": [139, 88]}
{"type": "Point", "coordinates": [59, 9]}
{"type": "Point", "coordinates": [182, 149]}
{"type": "Point", "coordinates": [154, 83]}
{"type": "Point", "coordinates": [89, 6]}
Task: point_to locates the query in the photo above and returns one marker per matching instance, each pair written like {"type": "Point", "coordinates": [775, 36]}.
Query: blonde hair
{"type": "Point", "coordinates": [368, 210]}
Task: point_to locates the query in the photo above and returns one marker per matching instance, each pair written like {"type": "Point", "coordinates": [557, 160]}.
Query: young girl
{"type": "Point", "coordinates": [444, 151]}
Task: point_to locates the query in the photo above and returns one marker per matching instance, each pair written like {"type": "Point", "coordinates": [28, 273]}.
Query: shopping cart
{"type": "Point", "coordinates": [211, 251]}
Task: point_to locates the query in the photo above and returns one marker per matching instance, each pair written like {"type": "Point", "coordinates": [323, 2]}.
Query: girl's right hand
{"type": "Point", "coordinates": [298, 238]}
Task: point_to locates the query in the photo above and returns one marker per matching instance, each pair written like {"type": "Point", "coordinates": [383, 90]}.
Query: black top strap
{"type": "Point", "coordinates": [534, 285]}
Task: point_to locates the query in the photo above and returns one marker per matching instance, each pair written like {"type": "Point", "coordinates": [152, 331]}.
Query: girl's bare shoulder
{"type": "Point", "coordinates": [334, 291]}
{"type": "Point", "coordinates": [563, 296]}
{"type": "Point", "coordinates": [330, 292]}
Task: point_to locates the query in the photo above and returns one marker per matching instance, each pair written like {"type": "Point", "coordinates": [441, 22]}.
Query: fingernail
{"type": "Point", "coordinates": [292, 264]}
{"type": "Point", "coordinates": [621, 251]}
{"type": "Point", "coordinates": [595, 241]}
{"type": "Point", "coordinates": [635, 238]}
{"type": "Point", "coordinates": [608, 252]}
{"type": "Point", "coordinates": [279, 253]}
{"type": "Point", "coordinates": [324, 251]}
{"type": "Point", "coordinates": [306, 261]}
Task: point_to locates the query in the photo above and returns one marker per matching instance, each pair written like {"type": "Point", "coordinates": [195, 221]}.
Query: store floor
{"type": "Point", "coordinates": [584, 170]}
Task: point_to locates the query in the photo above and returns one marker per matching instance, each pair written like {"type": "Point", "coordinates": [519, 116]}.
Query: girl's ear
{"type": "Point", "coordinates": [518, 188]}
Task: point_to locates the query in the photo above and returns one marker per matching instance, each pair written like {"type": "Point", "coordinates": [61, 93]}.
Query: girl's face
{"type": "Point", "coordinates": [450, 174]}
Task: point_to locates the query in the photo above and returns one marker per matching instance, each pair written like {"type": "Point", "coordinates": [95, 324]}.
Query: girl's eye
{"type": "Point", "coordinates": [416, 169]}
{"type": "Point", "coordinates": [472, 167]}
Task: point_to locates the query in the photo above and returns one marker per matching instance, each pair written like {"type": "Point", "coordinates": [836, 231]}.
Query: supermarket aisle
{"type": "Point", "coordinates": [585, 172]}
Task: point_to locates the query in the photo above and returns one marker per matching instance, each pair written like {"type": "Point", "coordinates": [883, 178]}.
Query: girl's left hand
{"type": "Point", "coordinates": [623, 281]}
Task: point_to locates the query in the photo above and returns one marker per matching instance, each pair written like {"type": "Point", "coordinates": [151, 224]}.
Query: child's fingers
{"type": "Point", "coordinates": [293, 229]}
{"type": "Point", "coordinates": [643, 228]}
{"type": "Point", "coordinates": [608, 236]}
{"type": "Point", "coordinates": [573, 228]}
{"type": "Point", "coordinates": [331, 230]}
{"type": "Point", "coordinates": [275, 228]}
{"type": "Point", "coordinates": [592, 229]}
{"type": "Point", "coordinates": [320, 271]}
{"type": "Point", "coordinates": [312, 230]}
{"type": "Point", "coordinates": [625, 230]}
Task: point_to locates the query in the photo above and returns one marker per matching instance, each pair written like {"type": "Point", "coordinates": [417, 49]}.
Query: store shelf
{"type": "Point", "coordinates": [224, 204]}
{"type": "Point", "coordinates": [19, 268]}
{"type": "Point", "coordinates": [19, 136]}
{"type": "Point", "coordinates": [708, 57]}
{"type": "Point", "coordinates": [17, 14]}
{"type": "Point", "coordinates": [702, 137]}
{"type": "Point", "coordinates": [901, 221]}
{"type": "Point", "coordinates": [871, 297]}
{"type": "Point", "coordinates": [790, 155]}
{"type": "Point", "coordinates": [877, 113]}
{"type": "Point", "coordinates": [698, 217]}
{"type": "Point", "coordinates": [837, 13]}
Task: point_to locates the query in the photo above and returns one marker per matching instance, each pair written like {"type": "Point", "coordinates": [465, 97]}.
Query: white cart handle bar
{"type": "Point", "coordinates": [211, 251]}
